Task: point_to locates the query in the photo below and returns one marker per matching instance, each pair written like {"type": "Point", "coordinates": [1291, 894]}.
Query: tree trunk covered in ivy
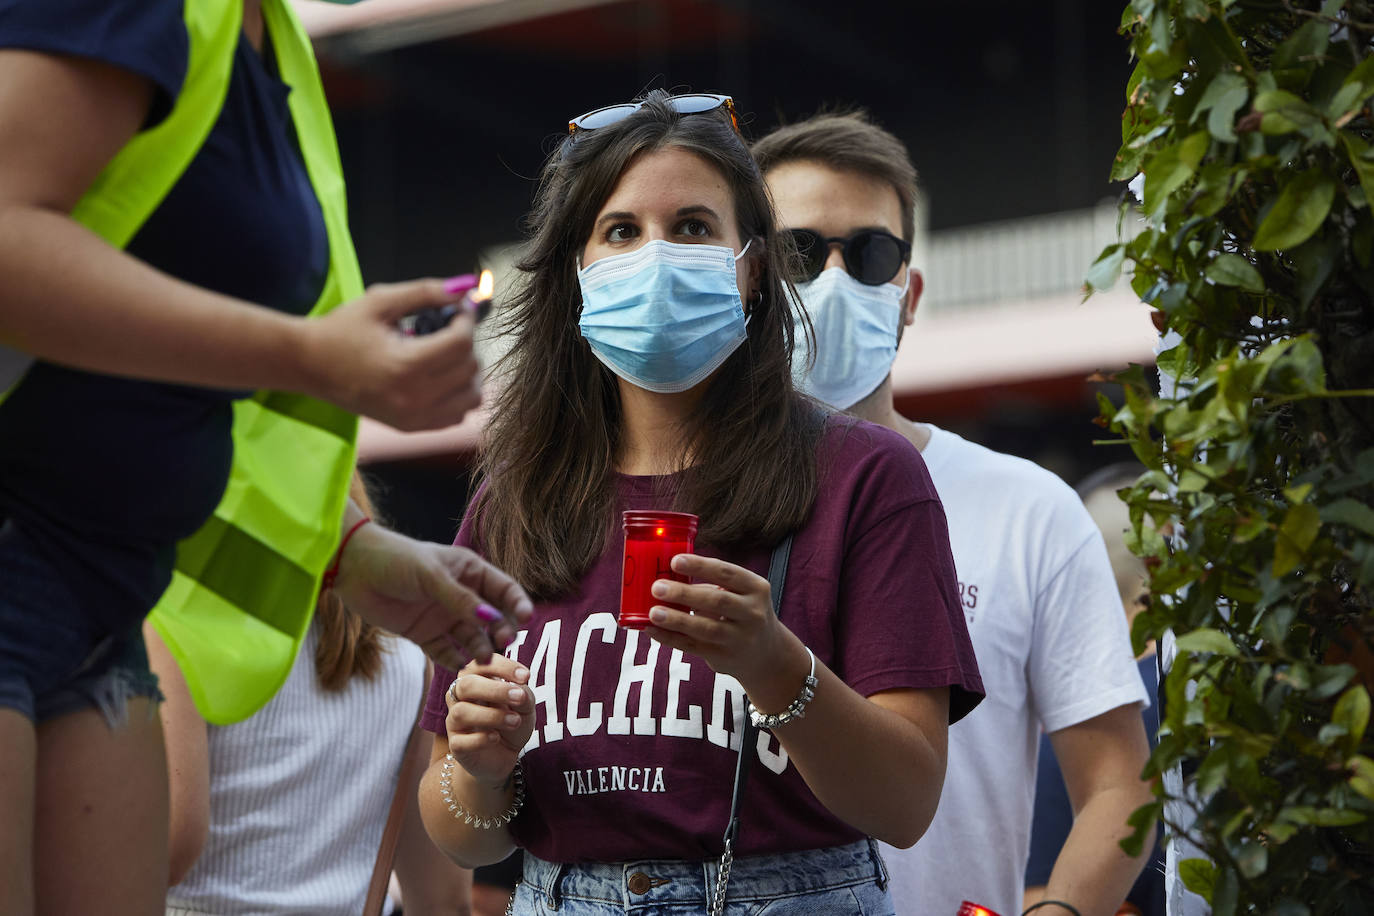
{"type": "Point", "coordinates": [1251, 123]}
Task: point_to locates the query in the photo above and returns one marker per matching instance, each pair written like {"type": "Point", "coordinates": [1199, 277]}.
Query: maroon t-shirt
{"type": "Point", "coordinates": [634, 747]}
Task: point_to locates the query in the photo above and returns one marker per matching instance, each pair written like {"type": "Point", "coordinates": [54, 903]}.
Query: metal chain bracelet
{"type": "Point", "coordinates": [481, 822]}
{"type": "Point", "coordinates": [796, 709]}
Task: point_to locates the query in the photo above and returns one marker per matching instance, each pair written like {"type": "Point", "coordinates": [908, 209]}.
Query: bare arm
{"type": "Point", "coordinates": [1101, 760]}
{"type": "Point", "coordinates": [447, 600]}
{"type": "Point", "coordinates": [188, 760]}
{"type": "Point", "coordinates": [877, 763]}
{"type": "Point", "coordinates": [464, 844]}
{"type": "Point", "coordinates": [490, 717]}
{"type": "Point", "coordinates": [69, 297]}
{"type": "Point", "coordinates": [431, 885]}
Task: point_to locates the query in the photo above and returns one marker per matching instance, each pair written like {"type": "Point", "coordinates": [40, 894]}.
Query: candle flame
{"type": "Point", "coordinates": [485, 285]}
{"type": "Point", "coordinates": [658, 532]}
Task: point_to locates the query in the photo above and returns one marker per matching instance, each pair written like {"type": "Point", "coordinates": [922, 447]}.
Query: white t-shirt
{"type": "Point", "coordinates": [300, 792]}
{"type": "Point", "coordinates": [1047, 626]}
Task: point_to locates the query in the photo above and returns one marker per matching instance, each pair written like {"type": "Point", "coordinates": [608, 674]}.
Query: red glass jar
{"type": "Point", "coordinates": [652, 539]}
{"type": "Point", "coordinates": [968, 908]}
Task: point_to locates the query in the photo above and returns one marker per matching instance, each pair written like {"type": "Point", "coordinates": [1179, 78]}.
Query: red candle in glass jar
{"type": "Point", "coordinates": [652, 539]}
{"type": "Point", "coordinates": [968, 908]}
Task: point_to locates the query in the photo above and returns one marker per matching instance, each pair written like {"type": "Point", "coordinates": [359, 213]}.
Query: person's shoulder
{"type": "Point", "coordinates": [146, 37]}
{"type": "Point", "coordinates": [960, 462]}
{"type": "Point", "coordinates": [859, 455]}
{"type": "Point", "coordinates": [847, 437]}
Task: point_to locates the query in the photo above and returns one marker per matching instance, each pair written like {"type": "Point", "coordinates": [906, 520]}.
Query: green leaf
{"type": "Point", "coordinates": [1311, 816]}
{"type": "Point", "coordinates": [1253, 860]}
{"type": "Point", "coordinates": [1215, 46]}
{"type": "Point", "coordinates": [1290, 908]}
{"type": "Point", "coordinates": [1224, 96]}
{"type": "Point", "coordinates": [1216, 183]}
{"type": "Point", "coordinates": [1345, 102]}
{"type": "Point", "coordinates": [1328, 733]}
{"type": "Point", "coordinates": [1284, 113]}
{"type": "Point", "coordinates": [1362, 775]}
{"type": "Point", "coordinates": [1363, 76]}
{"type": "Point", "coordinates": [1303, 47]}
{"type": "Point", "coordinates": [1298, 493]}
{"type": "Point", "coordinates": [1164, 63]}
{"type": "Point", "coordinates": [1351, 513]}
{"type": "Point", "coordinates": [1359, 160]}
{"type": "Point", "coordinates": [1352, 712]}
{"type": "Point", "coordinates": [1233, 270]}
{"type": "Point", "coordinates": [1296, 534]}
{"type": "Point", "coordinates": [1225, 894]}
{"type": "Point", "coordinates": [1313, 263]}
{"type": "Point", "coordinates": [1331, 680]}
{"type": "Point", "coordinates": [1211, 775]}
{"type": "Point", "coordinates": [1279, 833]}
{"type": "Point", "coordinates": [1301, 207]}
{"type": "Point", "coordinates": [1106, 269]}
{"type": "Point", "coordinates": [1298, 369]}
{"type": "Point", "coordinates": [1199, 876]}
{"type": "Point", "coordinates": [1171, 167]}
{"type": "Point", "coordinates": [1207, 639]}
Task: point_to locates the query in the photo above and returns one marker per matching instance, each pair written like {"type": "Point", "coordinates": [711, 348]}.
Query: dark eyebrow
{"type": "Point", "coordinates": [617, 215]}
{"type": "Point", "coordinates": [698, 208]}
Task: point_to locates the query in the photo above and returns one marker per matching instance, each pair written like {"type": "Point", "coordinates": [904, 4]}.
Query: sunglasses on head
{"type": "Point", "coordinates": [687, 104]}
{"type": "Point", "coordinates": [871, 256]}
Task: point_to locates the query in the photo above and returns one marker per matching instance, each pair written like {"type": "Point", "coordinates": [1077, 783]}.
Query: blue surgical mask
{"type": "Point", "coordinates": [664, 316]}
{"type": "Point", "coordinates": [856, 329]}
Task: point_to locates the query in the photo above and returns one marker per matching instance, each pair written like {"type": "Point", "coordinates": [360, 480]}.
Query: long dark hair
{"type": "Point", "coordinates": [554, 440]}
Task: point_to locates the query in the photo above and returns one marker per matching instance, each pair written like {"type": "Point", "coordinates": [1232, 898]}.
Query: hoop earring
{"type": "Point", "coordinates": [755, 300]}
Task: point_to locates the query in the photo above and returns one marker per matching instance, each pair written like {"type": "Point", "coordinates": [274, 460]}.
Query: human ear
{"type": "Point", "coordinates": [916, 285]}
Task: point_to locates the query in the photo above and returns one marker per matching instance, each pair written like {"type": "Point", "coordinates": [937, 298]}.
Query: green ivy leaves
{"type": "Point", "coordinates": [1301, 208]}
{"type": "Point", "coordinates": [1233, 270]}
{"type": "Point", "coordinates": [1253, 126]}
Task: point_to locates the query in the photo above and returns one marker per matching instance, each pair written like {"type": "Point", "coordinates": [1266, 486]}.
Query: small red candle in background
{"type": "Point", "coordinates": [652, 539]}
{"type": "Point", "coordinates": [972, 909]}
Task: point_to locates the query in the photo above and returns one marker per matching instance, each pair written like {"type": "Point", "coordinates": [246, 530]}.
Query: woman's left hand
{"type": "Point", "coordinates": [733, 628]}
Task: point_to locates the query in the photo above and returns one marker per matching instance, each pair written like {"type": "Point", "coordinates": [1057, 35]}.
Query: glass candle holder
{"type": "Point", "coordinates": [652, 539]}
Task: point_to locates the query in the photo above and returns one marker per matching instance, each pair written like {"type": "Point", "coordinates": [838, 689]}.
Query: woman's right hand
{"type": "Point", "coordinates": [490, 717]}
{"type": "Point", "coordinates": [355, 357]}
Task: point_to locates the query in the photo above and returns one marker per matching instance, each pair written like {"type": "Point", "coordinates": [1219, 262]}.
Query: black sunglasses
{"type": "Point", "coordinates": [686, 104]}
{"type": "Point", "coordinates": [871, 256]}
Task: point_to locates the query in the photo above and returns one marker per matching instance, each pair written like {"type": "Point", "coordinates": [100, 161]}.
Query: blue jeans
{"type": "Point", "coordinates": [54, 659]}
{"type": "Point", "coordinates": [842, 880]}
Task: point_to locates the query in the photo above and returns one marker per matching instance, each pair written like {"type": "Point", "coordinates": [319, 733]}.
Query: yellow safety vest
{"type": "Point", "coordinates": [245, 584]}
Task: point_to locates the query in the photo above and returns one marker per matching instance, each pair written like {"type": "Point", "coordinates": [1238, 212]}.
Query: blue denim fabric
{"type": "Point", "coordinates": [843, 880]}
{"type": "Point", "coordinates": [54, 659]}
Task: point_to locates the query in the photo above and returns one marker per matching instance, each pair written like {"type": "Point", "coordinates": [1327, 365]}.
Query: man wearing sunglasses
{"type": "Point", "coordinates": [1038, 591]}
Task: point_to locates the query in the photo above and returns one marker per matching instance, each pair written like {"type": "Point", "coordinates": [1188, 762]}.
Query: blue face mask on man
{"type": "Point", "coordinates": [664, 316]}
{"type": "Point", "coordinates": [856, 329]}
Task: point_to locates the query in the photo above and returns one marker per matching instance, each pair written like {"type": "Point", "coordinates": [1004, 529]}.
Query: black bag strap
{"type": "Point", "coordinates": [777, 574]}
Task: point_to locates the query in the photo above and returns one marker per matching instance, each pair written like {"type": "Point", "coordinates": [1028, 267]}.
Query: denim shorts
{"type": "Point", "coordinates": [846, 880]}
{"type": "Point", "coordinates": [54, 658]}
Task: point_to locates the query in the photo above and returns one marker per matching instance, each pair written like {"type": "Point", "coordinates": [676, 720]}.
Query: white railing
{"type": "Point", "coordinates": [1019, 259]}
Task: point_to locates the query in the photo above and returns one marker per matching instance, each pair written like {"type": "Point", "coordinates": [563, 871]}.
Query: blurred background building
{"type": "Point", "coordinates": [446, 109]}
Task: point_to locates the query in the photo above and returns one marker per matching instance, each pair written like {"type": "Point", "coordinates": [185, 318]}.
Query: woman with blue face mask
{"type": "Point", "coordinates": [650, 369]}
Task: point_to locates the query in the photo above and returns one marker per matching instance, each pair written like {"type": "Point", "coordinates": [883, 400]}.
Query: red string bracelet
{"type": "Point", "coordinates": [332, 573]}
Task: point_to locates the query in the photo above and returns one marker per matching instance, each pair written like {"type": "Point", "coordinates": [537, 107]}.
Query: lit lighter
{"type": "Point", "coordinates": [477, 303]}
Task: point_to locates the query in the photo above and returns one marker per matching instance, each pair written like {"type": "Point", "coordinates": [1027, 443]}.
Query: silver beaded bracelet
{"type": "Point", "coordinates": [796, 709]}
{"type": "Point", "coordinates": [479, 821]}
